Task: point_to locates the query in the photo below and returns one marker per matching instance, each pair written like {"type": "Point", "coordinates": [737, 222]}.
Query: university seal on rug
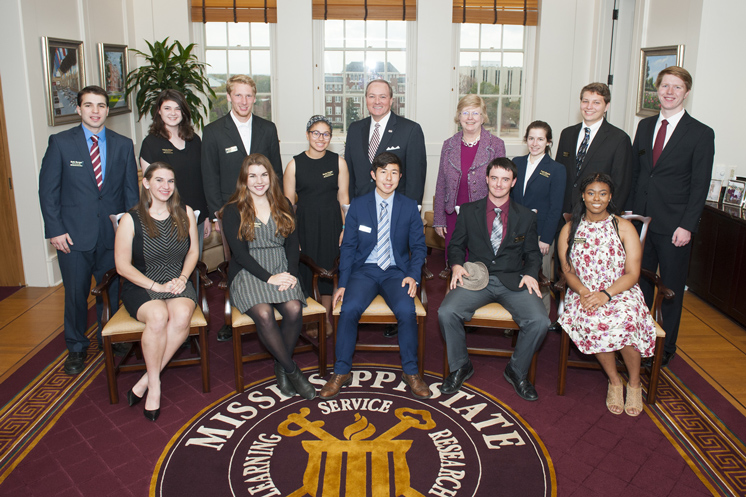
{"type": "Point", "coordinates": [374, 439]}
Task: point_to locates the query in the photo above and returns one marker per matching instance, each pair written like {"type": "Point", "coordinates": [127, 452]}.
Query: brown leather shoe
{"type": "Point", "coordinates": [419, 388]}
{"type": "Point", "coordinates": [335, 383]}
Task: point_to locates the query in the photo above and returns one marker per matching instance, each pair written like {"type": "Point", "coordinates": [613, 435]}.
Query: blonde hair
{"type": "Point", "coordinates": [472, 100]}
{"type": "Point", "coordinates": [239, 79]}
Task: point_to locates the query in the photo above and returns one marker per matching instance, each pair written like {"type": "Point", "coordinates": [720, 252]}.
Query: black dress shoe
{"type": "Point", "coordinates": [283, 382]}
{"type": "Point", "coordinates": [456, 379]}
{"type": "Point", "coordinates": [119, 349]}
{"type": "Point", "coordinates": [152, 415]}
{"type": "Point", "coordinates": [225, 333]}
{"type": "Point", "coordinates": [133, 399]}
{"type": "Point", "coordinates": [75, 363]}
{"type": "Point", "coordinates": [391, 330]}
{"type": "Point", "coordinates": [665, 360]}
{"type": "Point", "coordinates": [523, 388]}
{"type": "Point", "coordinates": [555, 327]}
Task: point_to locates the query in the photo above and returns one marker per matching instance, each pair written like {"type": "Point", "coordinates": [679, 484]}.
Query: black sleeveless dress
{"type": "Point", "coordinates": [318, 215]}
{"type": "Point", "coordinates": [160, 259]}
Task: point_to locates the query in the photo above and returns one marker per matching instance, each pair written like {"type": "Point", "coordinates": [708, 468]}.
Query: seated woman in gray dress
{"type": "Point", "coordinates": [156, 249]}
{"type": "Point", "coordinates": [260, 228]}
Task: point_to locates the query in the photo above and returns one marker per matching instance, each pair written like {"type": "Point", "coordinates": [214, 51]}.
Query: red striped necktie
{"type": "Point", "coordinates": [96, 159]}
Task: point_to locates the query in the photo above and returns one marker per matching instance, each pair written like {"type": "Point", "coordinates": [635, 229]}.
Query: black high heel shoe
{"type": "Point", "coordinates": [152, 415]}
{"type": "Point", "coordinates": [133, 399]}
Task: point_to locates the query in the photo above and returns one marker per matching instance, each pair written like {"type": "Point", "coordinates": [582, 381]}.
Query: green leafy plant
{"type": "Point", "coordinates": [172, 67]}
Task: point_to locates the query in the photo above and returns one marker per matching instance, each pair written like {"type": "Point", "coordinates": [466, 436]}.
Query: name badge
{"type": "Point", "coordinates": [545, 174]}
{"type": "Point", "coordinates": [257, 225]}
{"type": "Point", "coordinates": [519, 239]}
{"type": "Point", "coordinates": [230, 150]}
{"type": "Point", "coordinates": [167, 151]}
{"type": "Point", "coordinates": [76, 163]}
{"type": "Point", "coordinates": [565, 154]}
{"type": "Point", "coordinates": [364, 229]}
{"type": "Point", "coordinates": [580, 240]}
{"type": "Point", "coordinates": [327, 174]}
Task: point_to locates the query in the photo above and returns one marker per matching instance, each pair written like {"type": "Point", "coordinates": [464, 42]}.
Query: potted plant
{"type": "Point", "coordinates": [170, 67]}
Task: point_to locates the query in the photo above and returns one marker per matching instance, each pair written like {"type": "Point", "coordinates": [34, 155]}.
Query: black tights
{"type": "Point", "coordinates": [280, 339]}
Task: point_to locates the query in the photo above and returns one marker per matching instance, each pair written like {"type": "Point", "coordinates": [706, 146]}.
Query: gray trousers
{"type": "Point", "coordinates": [527, 311]}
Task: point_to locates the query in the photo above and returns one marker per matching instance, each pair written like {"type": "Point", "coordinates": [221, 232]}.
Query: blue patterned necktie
{"type": "Point", "coordinates": [582, 150]}
{"type": "Point", "coordinates": [497, 231]}
{"type": "Point", "coordinates": [384, 241]}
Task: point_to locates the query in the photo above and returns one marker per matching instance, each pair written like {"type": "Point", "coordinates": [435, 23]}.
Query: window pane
{"type": "Point", "coordinates": [263, 107]}
{"type": "Point", "coordinates": [491, 103]}
{"type": "Point", "coordinates": [375, 64]}
{"type": "Point", "coordinates": [260, 34]}
{"type": "Point", "coordinates": [334, 34]}
{"type": "Point", "coordinates": [469, 36]}
{"type": "Point", "coordinates": [468, 65]}
{"type": "Point", "coordinates": [215, 34]}
{"type": "Point", "coordinates": [355, 34]}
{"type": "Point", "coordinates": [238, 62]}
{"type": "Point", "coordinates": [333, 62]}
{"type": "Point", "coordinates": [353, 111]}
{"type": "Point", "coordinates": [217, 66]}
{"type": "Point", "coordinates": [220, 107]}
{"type": "Point", "coordinates": [511, 115]}
{"type": "Point", "coordinates": [376, 34]}
{"type": "Point", "coordinates": [238, 34]}
{"type": "Point", "coordinates": [489, 73]}
{"type": "Point", "coordinates": [397, 34]}
{"type": "Point", "coordinates": [397, 62]}
{"type": "Point", "coordinates": [355, 69]}
{"type": "Point", "coordinates": [491, 35]}
{"type": "Point", "coordinates": [260, 62]}
{"type": "Point", "coordinates": [513, 37]}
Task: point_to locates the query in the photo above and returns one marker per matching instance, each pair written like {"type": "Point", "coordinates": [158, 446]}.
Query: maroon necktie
{"type": "Point", "coordinates": [659, 140]}
{"type": "Point", "coordinates": [96, 159]}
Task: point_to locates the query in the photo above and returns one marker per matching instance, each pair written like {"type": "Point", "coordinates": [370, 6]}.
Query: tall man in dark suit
{"type": "Point", "coordinates": [500, 234]}
{"type": "Point", "coordinates": [382, 253]}
{"type": "Point", "coordinates": [87, 173]}
{"type": "Point", "coordinates": [226, 143]}
{"type": "Point", "coordinates": [384, 131]}
{"type": "Point", "coordinates": [675, 154]}
{"type": "Point", "coordinates": [595, 146]}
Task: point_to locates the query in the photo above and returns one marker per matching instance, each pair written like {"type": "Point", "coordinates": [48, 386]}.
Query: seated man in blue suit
{"type": "Point", "coordinates": [382, 253]}
{"type": "Point", "coordinates": [500, 234]}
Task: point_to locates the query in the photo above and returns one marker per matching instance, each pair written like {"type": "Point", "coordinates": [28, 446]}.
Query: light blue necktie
{"type": "Point", "coordinates": [384, 241]}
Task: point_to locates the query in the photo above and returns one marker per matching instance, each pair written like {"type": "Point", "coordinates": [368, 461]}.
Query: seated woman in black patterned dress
{"type": "Point", "coordinates": [156, 249]}
{"type": "Point", "coordinates": [260, 228]}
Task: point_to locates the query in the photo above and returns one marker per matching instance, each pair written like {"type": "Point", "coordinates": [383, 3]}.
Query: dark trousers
{"type": "Point", "coordinates": [673, 262]}
{"type": "Point", "coordinates": [77, 267]}
{"type": "Point", "coordinates": [527, 311]}
{"type": "Point", "coordinates": [362, 287]}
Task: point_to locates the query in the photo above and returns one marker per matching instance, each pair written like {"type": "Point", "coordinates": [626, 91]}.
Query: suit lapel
{"type": "Point", "coordinates": [82, 145]}
{"type": "Point", "coordinates": [395, 209]}
{"type": "Point", "coordinates": [365, 136]}
{"type": "Point", "coordinates": [573, 150]}
{"type": "Point", "coordinates": [537, 171]}
{"type": "Point", "coordinates": [510, 228]}
{"type": "Point", "coordinates": [235, 137]}
{"type": "Point", "coordinates": [256, 133]}
{"type": "Point", "coordinates": [387, 133]}
{"type": "Point", "coordinates": [480, 216]}
{"type": "Point", "coordinates": [676, 136]}
{"type": "Point", "coordinates": [596, 144]}
{"type": "Point", "coordinates": [111, 149]}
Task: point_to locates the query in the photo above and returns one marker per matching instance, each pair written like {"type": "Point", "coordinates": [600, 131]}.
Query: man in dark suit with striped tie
{"type": "Point", "coordinates": [381, 254]}
{"type": "Point", "coordinates": [87, 173]}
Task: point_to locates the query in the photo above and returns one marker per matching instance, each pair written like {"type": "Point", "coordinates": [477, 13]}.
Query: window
{"type": "Point", "coordinates": [238, 48]}
{"type": "Point", "coordinates": [491, 58]}
{"type": "Point", "coordinates": [356, 52]}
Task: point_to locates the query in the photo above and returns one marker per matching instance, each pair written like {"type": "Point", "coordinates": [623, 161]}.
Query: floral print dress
{"type": "Point", "coordinates": [598, 257]}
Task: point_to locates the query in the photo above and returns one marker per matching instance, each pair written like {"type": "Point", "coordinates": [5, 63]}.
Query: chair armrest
{"type": "Point", "coordinates": [663, 292]}
{"type": "Point", "coordinates": [223, 271]}
{"type": "Point", "coordinates": [102, 290]}
{"type": "Point", "coordinates": [543, 280]}
{"type": "Point", "coordinates": [317, 272]}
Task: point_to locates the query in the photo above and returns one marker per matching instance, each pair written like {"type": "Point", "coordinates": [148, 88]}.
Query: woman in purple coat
{"type": "Point", "coordinates": [463, 163]}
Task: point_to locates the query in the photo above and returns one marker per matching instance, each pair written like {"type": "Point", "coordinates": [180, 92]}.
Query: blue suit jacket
{"type": "Point", "coordinates": [407, 236]}
{"type": "Point", "coordinates": [70, 199]}
{"type": "Point", "coordinates": [545, 192]}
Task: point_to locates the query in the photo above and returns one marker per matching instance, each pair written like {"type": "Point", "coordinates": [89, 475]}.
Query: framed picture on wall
{"type": "Point", "coordinates": [734, 193]}
{"type": "Point", "coordinates": [653, 61]}
{"type": "Point", "coordinates": [64, 75]}
{"type": "Point", "coordinates": [113, 68]}
{"type": "Point", "coordinates": [714, 194]}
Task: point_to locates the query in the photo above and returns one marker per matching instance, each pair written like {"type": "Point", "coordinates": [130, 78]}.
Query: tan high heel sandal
{"type": "Point", "coordinates": [615, 398]}
{"type": "Point", "coordinates": [634, 400]}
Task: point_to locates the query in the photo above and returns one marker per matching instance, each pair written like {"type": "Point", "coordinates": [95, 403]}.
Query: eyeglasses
{"type": "Point", "coordinates": [319, 134]}
{"type": "Point", "coordinates": [466, 113]}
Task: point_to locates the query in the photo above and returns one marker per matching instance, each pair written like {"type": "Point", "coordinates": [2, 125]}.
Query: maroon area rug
{"type": "Point", "coordinates": [7, 291]}
{"type": "Point", "coordinates": [95, 448]}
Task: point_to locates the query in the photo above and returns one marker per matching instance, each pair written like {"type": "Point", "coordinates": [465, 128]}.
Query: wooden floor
{"type": "Point", "coordinates": [709, 341]}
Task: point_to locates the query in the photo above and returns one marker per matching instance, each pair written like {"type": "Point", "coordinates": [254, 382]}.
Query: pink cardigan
{"type": "Point", "coordinates": [449, 173]}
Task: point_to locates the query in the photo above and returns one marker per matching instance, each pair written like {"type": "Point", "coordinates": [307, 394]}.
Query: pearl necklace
{"type": "Point", "coordinates": [472, 144]}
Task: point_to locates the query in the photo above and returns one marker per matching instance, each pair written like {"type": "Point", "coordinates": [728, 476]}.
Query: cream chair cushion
{"type": "Point", "coordinates": [122, 322]}
{"type": "Point", "coordinates": [379, 308]}
{"type": "Point", "coordinates": [240, 319]}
